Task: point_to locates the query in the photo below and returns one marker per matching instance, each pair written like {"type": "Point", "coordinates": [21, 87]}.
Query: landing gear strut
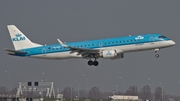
{"type": "Point", "coordinates": [156, 53]}
{"type": "Point", "coordinates": [95, 62]}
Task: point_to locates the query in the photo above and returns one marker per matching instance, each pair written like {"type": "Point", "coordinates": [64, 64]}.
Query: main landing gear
{"type": "Point", "coordinates": [95, 62]}
{"type": "Point", "coordinates": [156, 53]}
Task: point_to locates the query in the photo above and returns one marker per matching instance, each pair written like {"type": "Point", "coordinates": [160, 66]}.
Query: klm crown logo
{"type": "Point", "coordinates": [18, 37]}
{"type": "Point", "coordinates": [139, 37]}
{"type": "Point", "coordinates": [108, 53]}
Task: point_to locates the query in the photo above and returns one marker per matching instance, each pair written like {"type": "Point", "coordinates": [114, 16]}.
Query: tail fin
{"type": "Point", "coordinates": [20, 41]}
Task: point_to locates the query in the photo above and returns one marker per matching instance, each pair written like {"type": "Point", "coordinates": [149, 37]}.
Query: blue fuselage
{"type": "Point", "coordinates": [102, 43]}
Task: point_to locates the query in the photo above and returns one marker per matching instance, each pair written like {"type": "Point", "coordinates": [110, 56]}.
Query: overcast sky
{"type": "Point", "coordinates": [44, 21]}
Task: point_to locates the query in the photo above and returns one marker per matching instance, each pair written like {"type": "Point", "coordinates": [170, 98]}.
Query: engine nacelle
{"type": "Point", "coordinates": [112, 54]}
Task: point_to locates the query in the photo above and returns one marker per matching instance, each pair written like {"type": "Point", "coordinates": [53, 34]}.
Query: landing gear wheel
{"type": "Point", "coordinates": [90, 62]}
{"type": "Point", "coordinates": [95, 63]}
{"type": "Point", "coordinates": [157, 55]}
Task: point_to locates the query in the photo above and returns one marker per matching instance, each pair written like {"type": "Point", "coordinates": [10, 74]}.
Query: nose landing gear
{"type": "Point", "coordinates": [156, 53]}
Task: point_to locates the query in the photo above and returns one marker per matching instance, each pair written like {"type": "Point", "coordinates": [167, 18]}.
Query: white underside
{"type": "Point", "coordinates": [124, 48]}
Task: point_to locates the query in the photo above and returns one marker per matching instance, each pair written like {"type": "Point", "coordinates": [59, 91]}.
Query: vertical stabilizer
{"type": "Point", "coordinates": [19, 40]}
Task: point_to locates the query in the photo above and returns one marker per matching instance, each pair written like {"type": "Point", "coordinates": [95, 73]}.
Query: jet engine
{"type": "Point", "coordinates": [112, 54]}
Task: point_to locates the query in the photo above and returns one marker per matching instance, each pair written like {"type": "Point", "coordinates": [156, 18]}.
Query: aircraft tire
{"type": "Point", "coordinates": [95, 63]}
{"type": "Point", "coordinates": [157, 55]}
{"type": "Point", "coordinates": [90, 62]}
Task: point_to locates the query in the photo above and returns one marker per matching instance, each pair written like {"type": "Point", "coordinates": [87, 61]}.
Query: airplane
{"type": "Point", "coordinates": [110, 48]}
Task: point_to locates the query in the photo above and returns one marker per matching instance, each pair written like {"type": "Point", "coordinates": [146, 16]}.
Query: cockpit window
{"type": "Point", "coordinates": [162, 37]}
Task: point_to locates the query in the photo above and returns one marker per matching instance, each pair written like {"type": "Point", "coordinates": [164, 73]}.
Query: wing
{"type": "Point", "coordinates": [85, 52]}
{"type": "Point", "coordinates": [12, 52]}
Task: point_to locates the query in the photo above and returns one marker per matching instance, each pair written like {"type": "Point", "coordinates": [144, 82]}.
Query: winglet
{"type": "Point", "coordinates": [64, 45]}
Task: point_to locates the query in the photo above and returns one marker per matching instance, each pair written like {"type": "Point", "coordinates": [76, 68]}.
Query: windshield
{"type": "Point", "coordinates": [162, 37]}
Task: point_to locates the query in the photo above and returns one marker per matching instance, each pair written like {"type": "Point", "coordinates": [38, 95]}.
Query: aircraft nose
{"type": "Point", "coordinates": [172, 42]}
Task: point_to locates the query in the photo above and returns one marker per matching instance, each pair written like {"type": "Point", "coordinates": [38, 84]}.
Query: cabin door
{"type": "Point", "coordinates": [151, 40]}
{"type": "Point", "coordinates": [44, 51]}
{"type": "Point", "coordinates": [100, 44]}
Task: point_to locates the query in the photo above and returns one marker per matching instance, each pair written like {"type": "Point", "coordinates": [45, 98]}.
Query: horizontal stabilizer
{"type": "Point", "coordinates": [12, 52]}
